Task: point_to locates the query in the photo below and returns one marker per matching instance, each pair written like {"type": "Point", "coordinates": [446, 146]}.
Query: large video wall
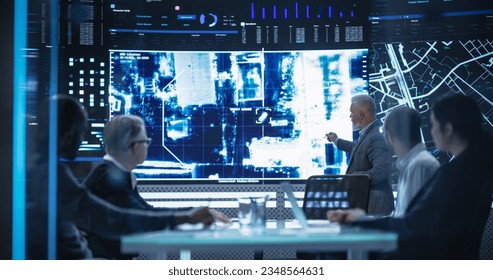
{"type": "Point", "coordinates": [244, 91]}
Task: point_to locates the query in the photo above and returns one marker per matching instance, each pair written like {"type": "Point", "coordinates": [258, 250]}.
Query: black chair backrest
{"type": "Point", "coordinates": [332, 192]}
{"type": "Point", "coordinates": [477, 239]}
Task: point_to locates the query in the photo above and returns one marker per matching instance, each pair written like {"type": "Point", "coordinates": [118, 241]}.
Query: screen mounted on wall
{"type": "Point", "coordinates": [229, 90]}
{"type": "Point", "coordinates": [245, 90]}
{"type": "Point", "coordinates": [249, 115]}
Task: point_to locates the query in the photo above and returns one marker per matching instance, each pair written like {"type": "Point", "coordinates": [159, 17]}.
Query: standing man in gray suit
{"type": "Point", "coordinates": [369, 155]}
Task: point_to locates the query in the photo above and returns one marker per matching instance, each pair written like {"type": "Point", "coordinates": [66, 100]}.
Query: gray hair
{"type": "Point", "coordinates": [367, 102]}
{"type": "Point", "coordinates": [120, 132]}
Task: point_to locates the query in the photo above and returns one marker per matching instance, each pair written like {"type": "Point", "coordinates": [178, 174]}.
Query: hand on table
{"type": "Point", "coordinates": [345, 216]}
{"type": "Point", "coordinates": [219, 216]}
{"type": "Point", "coordinates": [203, 215]}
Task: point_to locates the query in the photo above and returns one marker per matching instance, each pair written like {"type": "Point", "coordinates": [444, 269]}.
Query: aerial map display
{"type": "Point", "coordinates": [417, 73]}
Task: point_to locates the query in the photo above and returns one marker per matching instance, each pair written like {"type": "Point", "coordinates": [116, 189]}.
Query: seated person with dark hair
{"type": "Point", "coordinates": [402, 133]}
{"type": "Point", "coordinates": [446, 218]}
{"type": "Point", "coordinates": [126, 144]}
{"type": "Point", "coordinates": [76, 208]}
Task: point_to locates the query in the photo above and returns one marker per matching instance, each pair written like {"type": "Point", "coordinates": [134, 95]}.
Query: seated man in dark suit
{"type": "Point", "coordinates": [126, 145]}
{"type": "Point", "coordinates": [446, 218]}
{"type": "Point", "coordinates": [76, 209]}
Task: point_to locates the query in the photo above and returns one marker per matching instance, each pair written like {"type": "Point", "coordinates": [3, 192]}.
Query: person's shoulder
{"type": "Point", "coordinates": [104, 166]}
{"type": "Point", "coordinates": [100, 172]}
{"type": "Point", "coordinates": [108, 171]}
{"type": "Point", "coordinates": [96, 170]}
{"type": "Point", "coordinates": [374, 129]}
{"type": "Point", "coordinates": [485, 150]}
{"type": "Point", "coordinates": [481, 146]}
{"type": "Point", "coordinates": [425, 158]}
{"type": "Point", "coordinates": [63, 168]}
{"type": "Point", "coordinates": [376, 136]}
{"type": "Point", "coordinates": [66, 179]}
{"type": "Point", "coordinates": [487, 141]}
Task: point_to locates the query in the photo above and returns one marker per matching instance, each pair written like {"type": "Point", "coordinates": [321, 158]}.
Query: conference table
{"type": "Point", "coordinates": [277, 235]}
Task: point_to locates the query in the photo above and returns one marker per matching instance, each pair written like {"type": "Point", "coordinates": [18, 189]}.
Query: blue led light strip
{"type": "Point", "coordinates": [52, 149]}
{"type": "Point", "coordinates": [19, 133]}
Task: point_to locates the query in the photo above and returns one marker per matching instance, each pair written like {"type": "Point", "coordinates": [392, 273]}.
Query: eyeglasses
{"type": "Point", "coordinates": [147, 141]}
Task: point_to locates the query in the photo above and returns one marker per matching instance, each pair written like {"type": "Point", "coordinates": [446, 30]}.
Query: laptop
{"type": "Point", "coordinates": [298, 213]}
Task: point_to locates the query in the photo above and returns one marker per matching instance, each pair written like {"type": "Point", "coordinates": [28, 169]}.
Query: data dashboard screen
{"type": "Point", "coordinates": [236, 25]}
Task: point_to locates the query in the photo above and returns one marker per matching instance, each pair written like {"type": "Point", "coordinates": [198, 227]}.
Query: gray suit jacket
{"type": "Point", "coordinates": [370, 156]}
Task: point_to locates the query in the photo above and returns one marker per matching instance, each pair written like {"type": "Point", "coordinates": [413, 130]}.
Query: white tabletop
{"type": "Point", "coordinates": [276, 235]}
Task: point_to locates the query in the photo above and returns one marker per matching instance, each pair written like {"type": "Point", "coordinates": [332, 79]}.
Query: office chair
{"type": "Point", "coordinates": [332, 192]}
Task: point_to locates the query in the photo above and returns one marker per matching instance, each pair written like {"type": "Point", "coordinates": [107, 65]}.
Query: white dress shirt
{"type": "Point", "coordinates": [415, 169]}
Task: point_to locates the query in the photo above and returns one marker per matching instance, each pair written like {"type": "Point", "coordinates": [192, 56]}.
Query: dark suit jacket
{"type": "Point", "coordinates": [78, 209]}
{"type": "Point", "coordinates": [446, 218]}
{"type": "Point", "coordinates": [114, 185]}
{"type": "Point", "coordinates": [369, 155]}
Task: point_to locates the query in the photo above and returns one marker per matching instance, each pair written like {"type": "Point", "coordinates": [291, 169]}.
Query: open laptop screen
{"type": "Point", "coordinates": [333, 192]}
